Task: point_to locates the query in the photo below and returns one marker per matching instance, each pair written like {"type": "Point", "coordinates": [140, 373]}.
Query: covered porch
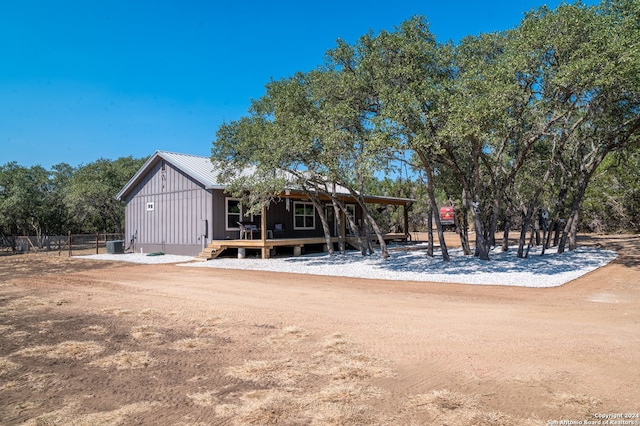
{"type": "Point", "coordinates": [263, 235]}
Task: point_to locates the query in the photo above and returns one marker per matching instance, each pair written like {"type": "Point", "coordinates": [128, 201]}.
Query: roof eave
{"type": "Point", "coordinates": [160, 154]}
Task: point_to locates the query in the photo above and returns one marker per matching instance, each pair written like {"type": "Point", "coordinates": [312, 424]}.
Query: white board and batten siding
{"type": "Point", "coordinates": [168, 211]}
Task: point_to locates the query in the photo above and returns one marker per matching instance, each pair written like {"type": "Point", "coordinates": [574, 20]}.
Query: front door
{"type": "Point", "coordinates": [330, 214]}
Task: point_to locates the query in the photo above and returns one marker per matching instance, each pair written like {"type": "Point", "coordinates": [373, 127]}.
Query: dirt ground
{"type": "Point", "coordinates": [93, 343]}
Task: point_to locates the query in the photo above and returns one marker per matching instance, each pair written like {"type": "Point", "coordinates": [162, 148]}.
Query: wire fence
{"type": "Point", "coordinates": [71, 244]}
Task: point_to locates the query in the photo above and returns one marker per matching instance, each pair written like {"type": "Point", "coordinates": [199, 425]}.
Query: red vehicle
{"type": "Point", "coordinates": [447, 218]}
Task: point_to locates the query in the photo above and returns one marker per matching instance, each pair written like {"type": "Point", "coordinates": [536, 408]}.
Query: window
{"type": "Point", "coordinates": [304, 216]}
{"type": "Point", "coordinates": [233, 213]}
{"type": "Point", "coordinates": [151, 206]}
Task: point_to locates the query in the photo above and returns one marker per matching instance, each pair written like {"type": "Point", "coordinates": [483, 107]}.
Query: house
{"type": "Point", "coordinates": [175, 204]}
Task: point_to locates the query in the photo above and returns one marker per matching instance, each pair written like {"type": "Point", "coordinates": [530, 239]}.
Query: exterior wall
{"type": "Point", "coordinates": [168, 210]}
{"type": "Point", "coordinates": [276, 213]}
{"type": "Point", "coordinates": [220, 231]}
{"type": "Point", "coordinates": [171, 212]}
{"type": "Point", "coordinates": [180, 215]}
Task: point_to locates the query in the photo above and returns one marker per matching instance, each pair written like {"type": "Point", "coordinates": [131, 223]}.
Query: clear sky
{"type": "Point", "coordinates": [84, 79]}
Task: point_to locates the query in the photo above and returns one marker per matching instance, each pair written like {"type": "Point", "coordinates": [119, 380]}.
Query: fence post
{"type": "Point", "coordinates": [69, 243]}
{"type": "Point", "coordinates": [97, 239]}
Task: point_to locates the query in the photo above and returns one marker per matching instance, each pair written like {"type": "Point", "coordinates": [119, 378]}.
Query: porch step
{"type": "Point", "coordinates": [211, 252]}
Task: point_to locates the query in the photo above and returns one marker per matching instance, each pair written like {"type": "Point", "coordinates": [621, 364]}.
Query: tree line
{"type": "Point", "coordinates": [511, 128]}
{"type": "Point", "coordinates": [40, 202]}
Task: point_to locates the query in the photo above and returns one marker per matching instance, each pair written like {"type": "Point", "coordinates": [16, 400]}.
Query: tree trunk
{"type": "Point", "coordinates": [550, 229]}
{"type": "Point", "coordinates": [430, 233]}
{"type": "Point", "coordinates": [369, 221]}
{"type": "Point", "coordinates": [563, 238]}
{"type": "Point", "coordinates": [558, 213]}
{"type": "Point", "coordinates": [571, 228]}
{"type": "Point", "coordinates": [338, 219]}
{"type": "Point", "coordinates": [463, 227]}
{"type": "Point", "coordinates": [434, 207]}
{"type": "Point", "coordinates": [505, 236]}
{"type": "Point", "coordinates": [367, 236]}
{"type": "Point", "coordinates": [529, 214]}
{"type": "Point", "coordinates": [531, 236]}
{"type": "Point", "coordinates": [356, 233]}
{"type": "Point", "coordinates": [526, 223]}
{"type": "Point", "coordinates": [542, 220]}
{"type": "Point", "coordinates": [557, 231]}
{"type": "Point", "coordinates": [493, 224]}
{"type": "Point", "coordinates": [325, 225]}
{"type": "Point", "coordinates": [482, 246]}
{"type": "Point", "coordinates": [372, 224]}
{"type": "Point", "coordinates": [354, 228]}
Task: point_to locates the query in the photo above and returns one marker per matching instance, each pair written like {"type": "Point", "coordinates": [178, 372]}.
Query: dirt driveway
{"type": "Point", "coordinates": [89, 343]}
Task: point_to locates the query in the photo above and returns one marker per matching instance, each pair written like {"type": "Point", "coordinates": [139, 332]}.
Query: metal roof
{"type": "Point", "coordinates": [199, 168]}
{"type": "Point", "coordinates": [203, 170]}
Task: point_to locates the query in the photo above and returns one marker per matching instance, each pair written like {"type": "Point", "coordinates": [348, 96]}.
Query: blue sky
{"type": "Point", "coordinates": [83, 80]}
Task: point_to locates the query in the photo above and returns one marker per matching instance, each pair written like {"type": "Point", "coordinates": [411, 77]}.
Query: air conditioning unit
{"type": "Point", "coordinates": [115, 247]}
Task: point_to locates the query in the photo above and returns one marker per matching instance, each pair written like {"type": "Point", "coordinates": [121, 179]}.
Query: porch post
{"type": "Point", "coordinates": [263, 233]}
{"type": "Point", "coordinates": [406, 220]}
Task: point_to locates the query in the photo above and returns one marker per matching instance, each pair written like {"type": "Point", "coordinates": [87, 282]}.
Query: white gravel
{"type": "Point", "coordinates": [550, 270]}
{"type": "Point", "coordinates": [139, 258]}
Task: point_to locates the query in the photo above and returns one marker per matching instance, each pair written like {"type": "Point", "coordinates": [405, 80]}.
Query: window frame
{"type": "Point", "coordinates": [305, 215]}
{"type": "Point", "coordinates": [226, 213]}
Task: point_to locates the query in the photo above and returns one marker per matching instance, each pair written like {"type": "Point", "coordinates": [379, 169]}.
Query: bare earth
{"type": "Point", "coordinates": [89, 343]}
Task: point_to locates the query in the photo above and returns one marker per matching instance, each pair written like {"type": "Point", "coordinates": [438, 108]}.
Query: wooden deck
{"type": "Point", "coordinates": [267, 246]}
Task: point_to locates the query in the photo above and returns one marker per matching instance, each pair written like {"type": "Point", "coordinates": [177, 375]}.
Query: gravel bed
{"type": "Point", "coordinates": [550, 270]}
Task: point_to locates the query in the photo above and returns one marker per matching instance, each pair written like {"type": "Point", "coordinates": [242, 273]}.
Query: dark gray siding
{"type": "Point", "coordinates": [181, 214]}
{"type": "Point", "coordinates": [276, 213]}
{"type": "Point", "coordinates": [219, 218]}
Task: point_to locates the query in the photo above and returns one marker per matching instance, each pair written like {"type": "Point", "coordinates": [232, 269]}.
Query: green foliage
{"type": "Point", "coordinates": [34, 201]}
{"type": "Point", "coordinates": [23, 199]}
{"type": "Point", "coordinates": [391, 218]}
{"type": "Point", "coordinates": [612, 201]}
{"type": "Point", "coordinates": [90, 195]}
{"type": "Point", "coordinates": [500, 124]}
